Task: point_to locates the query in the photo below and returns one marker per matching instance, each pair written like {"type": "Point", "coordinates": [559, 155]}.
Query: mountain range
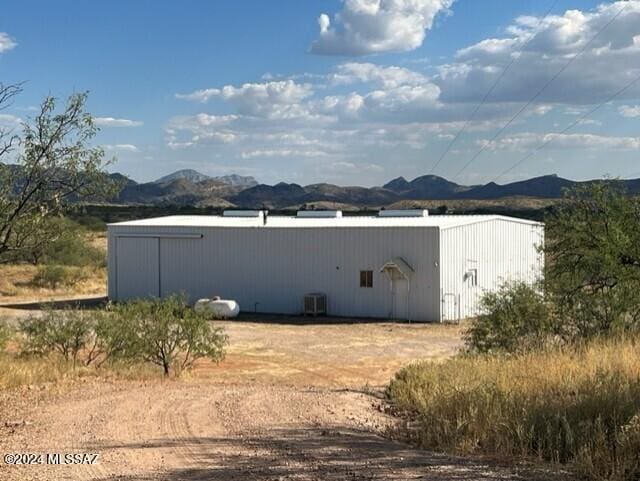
{"type": "Point", "coordinates": [191, 188]}
{"type": "Point", "coordinates": [194, 176]}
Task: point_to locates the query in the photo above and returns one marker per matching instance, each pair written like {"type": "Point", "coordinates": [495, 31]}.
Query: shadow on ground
{"type": "Point", "coordinates": [314, 454]}
{"type": "Point", "coordinates": [292, 319]}
{"type": "Point", "coordinates": [83, 303]}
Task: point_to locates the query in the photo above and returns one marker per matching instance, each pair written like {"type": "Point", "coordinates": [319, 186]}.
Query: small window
{"type": "Point", "coordinates": [366, 278]}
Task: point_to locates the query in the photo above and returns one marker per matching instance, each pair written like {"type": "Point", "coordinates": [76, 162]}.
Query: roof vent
{"type": "Point", "coordinates": [332, 214]}
{"type": "Point", "coordinates": [403, 213]}
{"type": "Point", "coordinates": [243, 213]}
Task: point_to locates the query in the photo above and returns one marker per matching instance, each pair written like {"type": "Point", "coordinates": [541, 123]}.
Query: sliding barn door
{"type": "Point", "coordinates": [138, 267]}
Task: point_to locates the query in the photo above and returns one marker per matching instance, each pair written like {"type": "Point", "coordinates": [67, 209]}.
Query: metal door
{"type": "Point", "coordinates": [400, 298]}
{"type": "Point", "coordinates": [450, 307]}
{"type": "Point", "coordinates": [138, 267]}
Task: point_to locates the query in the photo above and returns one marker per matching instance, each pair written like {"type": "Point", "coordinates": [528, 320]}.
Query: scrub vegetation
{"type": "Point", "coordinates": [165, 333]}
{"type": "Point", "coordinates": [71, 265]}
{"type": "Point", "coordinates": [49, 166]}
{"type": "Point", "coordinates": [550, 372]}
{"type": "Point", "coordinates": [575, 406]}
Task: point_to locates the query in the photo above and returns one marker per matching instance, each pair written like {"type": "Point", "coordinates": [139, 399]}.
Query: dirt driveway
{"type": "Point", "coordinates": [290, 402]}
{"type": "Point", "coordinates": [340, 354]}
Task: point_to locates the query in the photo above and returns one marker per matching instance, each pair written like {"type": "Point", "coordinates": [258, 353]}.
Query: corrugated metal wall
{"type": "Point", "coordinates": [492, 251]}
{"type": "Point", "coordinates": [271, 269]}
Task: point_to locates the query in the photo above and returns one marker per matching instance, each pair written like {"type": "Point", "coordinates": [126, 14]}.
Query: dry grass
{"type": "Point", "coordinates": [17, 281]}
{"type": "Point", "coordinates": [579, 407]}
{"type": "Point", "coordinates": [17, 284]}
{"type": "Point", "coordinates": [16, 371]}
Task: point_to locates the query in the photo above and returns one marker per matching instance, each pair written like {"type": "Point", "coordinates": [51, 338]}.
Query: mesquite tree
{"type": "Point", "coordinates": [593, 260]}
{"type": "Point", "coordinates": [43, 168]}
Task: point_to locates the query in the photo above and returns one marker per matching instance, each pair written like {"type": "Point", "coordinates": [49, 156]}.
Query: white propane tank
{"type": "Point", "coordinates": [217, 308]}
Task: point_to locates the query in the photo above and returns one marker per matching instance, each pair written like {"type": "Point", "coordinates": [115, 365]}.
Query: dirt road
{"type": "Point", "coordinates": [289, 403]}
{"type": "Point", "coordinates": [192, 431]}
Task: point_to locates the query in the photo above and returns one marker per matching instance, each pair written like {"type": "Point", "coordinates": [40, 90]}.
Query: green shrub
{"type": "Point", "coordinates": [93, 223]}
{"type": "Point", "coordinates": [71, 248]}
{"type": "Point", "coordinates": [67, 246]}
{"type": "Point", "coordinates": [513, 318]}
{"type": "Point", "coordinates": [578, 407]}
{"type": "Point", "coordinates": [53, 276]}
{"type": "Point", "coordinates": [167, 333]}
{"type": "Point", "coordinates": [164, 332]}
{"type": "Point", "coordinates": [64, 332]}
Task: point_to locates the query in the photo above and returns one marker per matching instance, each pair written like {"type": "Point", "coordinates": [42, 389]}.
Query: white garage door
{"type": "Point", "coordinates": [138, 273]}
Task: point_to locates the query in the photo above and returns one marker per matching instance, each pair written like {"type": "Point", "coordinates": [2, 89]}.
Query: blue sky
{"type": "Point", "coordinates": [348, 92]}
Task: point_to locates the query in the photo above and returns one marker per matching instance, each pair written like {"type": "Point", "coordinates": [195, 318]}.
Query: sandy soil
{"type": "Point", "coordinates": [340, 355]}
{"type": "Point", "coordinates": [202, 431]}
{"type": "Point", "coordinates": [290, 402]}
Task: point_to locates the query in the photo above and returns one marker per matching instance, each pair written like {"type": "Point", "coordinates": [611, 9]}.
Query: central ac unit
{"type": "Point", "coordinates": [315, 304]}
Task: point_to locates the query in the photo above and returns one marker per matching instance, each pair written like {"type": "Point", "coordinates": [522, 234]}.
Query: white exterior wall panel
{"type": "Point", "coordinates": [271, 269]}
{"type": "Point", "coordinates": [498, 250]}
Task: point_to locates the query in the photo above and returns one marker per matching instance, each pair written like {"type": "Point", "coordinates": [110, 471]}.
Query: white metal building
{"type": "Point", "coordinates": [399, 264]}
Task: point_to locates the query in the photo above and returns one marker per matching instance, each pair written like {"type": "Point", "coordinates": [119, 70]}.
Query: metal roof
{"type": "Point", "coordinates": [273, 221]}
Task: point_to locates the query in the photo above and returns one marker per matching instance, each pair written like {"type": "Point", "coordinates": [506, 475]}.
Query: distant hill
{"type": "Point", "coordinates": [180, 191]}
{"type": "Point", "coordinates": [191, 188]}
{"type": "Point", "coordinates": [546, 187]}
{"type": "Point", "coordinates": [236, 180]}
{"type": "Point", "coordinates": [244, 192]}
{"type": "Point", "coordinates": [188, 174]}
{"type": "Point", "coordinates": [426, 187]}
{"type": "Point", "coordinates": [194, 176]}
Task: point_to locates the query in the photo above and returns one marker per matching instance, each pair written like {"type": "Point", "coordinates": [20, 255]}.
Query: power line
{"type": "Point", "coordinates": [544, 87]}
{"type": "Point", "coordinates": [569, 127]}
{"type": "Point", "coordinates": [490, 91]}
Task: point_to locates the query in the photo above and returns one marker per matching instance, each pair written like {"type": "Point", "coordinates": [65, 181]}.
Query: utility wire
{"type": "Point", "coordinates": [490, 91]}
{"type": "Point", "coordinates": [544, 87]}
{"type": "Point", "coordinates": [570, 126]}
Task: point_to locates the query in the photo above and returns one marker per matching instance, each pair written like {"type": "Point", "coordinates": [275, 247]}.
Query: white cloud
{"type": "Point", "coordinates": [373, 26]}
{"type": "Point", "coordinates": [362, 113]}
{"type": "Point", "coordinates": [120, 148]}
{"type": "Point", "coordinates": [6, 42]}
{"type": "Point", "coordinates": [528, 140]}
{"type": "Point", "coordinates": [276, 99]}
{"type": "Point", "coordinates": [541, 47]}
{"type": "Point", "coordinates": [386, 77]}
{"type": "Point", "coordinates": [187, 131]}
{"type": "Point", "coordinates": [342, 167]}
{"type": "Point", "coordinates": [629, 111]}
{"type": "Point", "coordinates": [541, 109]}
{"type": "Point", "coordinates": [8, 121]}
{"type": "Point", "coordinates": [112, 122]}
{"type": "Point", "coordinates": [283, 153]}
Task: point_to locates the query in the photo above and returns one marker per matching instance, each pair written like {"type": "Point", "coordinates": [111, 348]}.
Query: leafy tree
{"type": "Point", "coordinates": [514, 317]}
{"type": "Point", "coordinates": [64, 332]}
{"type": "Point", "coordinates": [593, 260]}
{"type": "Point", "coordinates": [54, 166]}
{"type": "Point", "coordinates": [165, 332]}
